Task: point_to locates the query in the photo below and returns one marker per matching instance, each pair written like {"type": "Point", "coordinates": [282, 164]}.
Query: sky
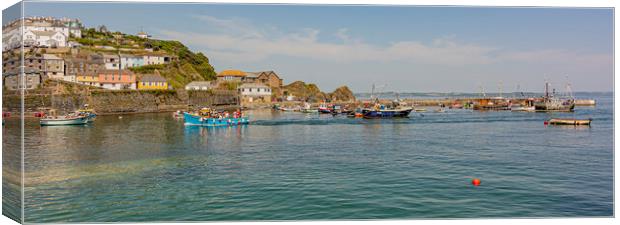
{"type": "Point", "coordinates": [406, 49]}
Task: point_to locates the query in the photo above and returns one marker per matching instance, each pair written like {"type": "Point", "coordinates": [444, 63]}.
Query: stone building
{"type": "Point", "coordinates": [31, 79]}
{"type": "Point", "coordinates": [83, 70]}
{"type": "Point", "coordinates": [54, 67]}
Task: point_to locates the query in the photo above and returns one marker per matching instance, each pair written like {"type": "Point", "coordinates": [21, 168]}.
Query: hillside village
{"type": "Point", "coordinates": [63, 50]}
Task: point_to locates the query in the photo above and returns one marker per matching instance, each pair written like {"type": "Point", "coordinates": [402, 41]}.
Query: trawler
{"type": "Point", "coordinates": [551, 102]}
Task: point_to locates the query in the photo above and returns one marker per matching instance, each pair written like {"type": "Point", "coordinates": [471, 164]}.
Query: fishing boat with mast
{"type": "Point", "coordinates": [70, 119]}
{"type": "Point", "coordinates": [396, 109]}
{"type": "Point", "coordinates": [550, 102]}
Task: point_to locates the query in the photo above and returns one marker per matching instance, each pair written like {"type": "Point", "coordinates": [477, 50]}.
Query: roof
{"type": "Point", "coordinates": [124, 72]}
{"type": "Point", "coordinates": [233, 73]}
{"type": "Point", "coordinates": [252, 74]}
{"type": "Point", "coordinates": [153, 54]}
{"type": "Point", "coordinates": [199, 83]}
{"type": "Point", "coordinates": [107, 55]}
{"type": "Point", "coordinates": [51, 56]}
{"type": "Point", "coordinates": [44, 33]}
{"type": "Point", "coordinates": [253, 85]}
{"type": "Point", "coordinates": [27, 70]}
{"type": "Point", "coordinates": [130, 56]}
{"type": "Point", "coordinates": [153, 78]}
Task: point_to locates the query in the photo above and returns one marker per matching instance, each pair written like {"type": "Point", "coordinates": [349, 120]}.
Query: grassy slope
{"type": "Point", "coordinates": [189, 67]}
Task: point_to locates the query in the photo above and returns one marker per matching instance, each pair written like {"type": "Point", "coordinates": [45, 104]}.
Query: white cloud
{"type": "Point", "coordinates": [238, 40]}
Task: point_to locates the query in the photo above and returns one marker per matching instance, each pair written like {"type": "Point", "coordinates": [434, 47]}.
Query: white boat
{"type": "Point", "coordinates": [64, 120]}
{"type": "Point", "coordinates": [520, 108]}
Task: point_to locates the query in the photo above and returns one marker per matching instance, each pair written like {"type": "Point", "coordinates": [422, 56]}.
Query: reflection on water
{"type": "Point", "coordinates": [11, 168]}
{"type": "Point", "coordinates": [309, 166]}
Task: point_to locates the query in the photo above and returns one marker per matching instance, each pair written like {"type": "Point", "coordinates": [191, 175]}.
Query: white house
{"type": "Point", "coordinates": [155, 59]}
{"type": "Point", "coordinates": [128, 61]}
{"type": "Point", "coordinates": [11, 32]}
{"type": "Point", "coordinates": [45, 38]}
{"type": "Point", "coordinates": [254, 92]}
{"type": "Point", "coordinates": [112, 62]}
{"type": "Point", "coordinates": [143, 34]}
{"type": "Point", "coordinates": [199, 85]}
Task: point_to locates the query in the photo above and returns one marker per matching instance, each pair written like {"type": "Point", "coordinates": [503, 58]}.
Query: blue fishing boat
{"type": "Point", "coordinates": [397, 109]}
{"type": "Point", "coordinates": [197, 120]}
{"type": "Point", "coordinates": [89, 113]}
{"type": "Point", "coordinates": [386, 113]}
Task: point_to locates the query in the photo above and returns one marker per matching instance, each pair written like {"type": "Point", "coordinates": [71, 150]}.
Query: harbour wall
{"type": "Point", "coordinates": [119, 101]}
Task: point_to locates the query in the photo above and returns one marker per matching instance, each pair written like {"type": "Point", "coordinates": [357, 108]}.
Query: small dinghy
{"type": "Point", "coordinates": [575, 122]}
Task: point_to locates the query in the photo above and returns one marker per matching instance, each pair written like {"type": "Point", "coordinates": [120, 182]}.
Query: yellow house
{"type": "Point", "coordinates": [152, 82]}
{"type": "Point", "coordinates": [88, 79]}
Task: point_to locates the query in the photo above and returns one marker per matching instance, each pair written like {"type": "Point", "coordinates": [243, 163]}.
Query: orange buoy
{"type": "Point", "coordinates": [475, 182]}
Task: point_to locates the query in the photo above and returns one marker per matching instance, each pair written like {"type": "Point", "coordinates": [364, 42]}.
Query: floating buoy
{"type": "Point", "coordinates": [475, 182]}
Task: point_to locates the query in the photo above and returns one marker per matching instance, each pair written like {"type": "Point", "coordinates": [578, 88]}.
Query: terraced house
{"type": "Point", "coordinates": [117, 79]}
{"type": "Point", "coordinates": [152, 82]}
{"type": "Point", "coordinates": [54, 67]}
{"type": "Point", "coordinates": [40, 32]}
{"type": "Point", "coordinates": [111, 61]}
{"type": "Point", "coordinates": [83, 70]}
{"type": "Point", "coordinates": [128, 61]}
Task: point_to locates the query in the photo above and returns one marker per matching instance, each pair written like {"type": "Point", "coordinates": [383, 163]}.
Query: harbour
{"type": "Point", "coordinates": [293, 166]}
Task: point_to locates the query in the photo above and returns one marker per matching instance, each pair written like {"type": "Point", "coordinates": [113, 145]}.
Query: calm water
{"type": "Point", "coordinates": [294, 166]}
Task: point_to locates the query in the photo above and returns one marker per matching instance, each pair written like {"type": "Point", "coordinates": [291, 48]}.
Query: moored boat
{"type": "Point", "coordinates": [89, 113]}
{"type": "Point", "coordinates": [568, 121]}
{"type": "Point", "coordinates": [550, 102]}
{"type": "Point", "coordinates": [52, 119]}
{"type": "Point", "coordinates": [386, 113]}
{"type": "Point", "coordinates": [309, 110]}
{"type": "Point", "coordinates": [64, 120]}
{"type": "Point", "coordinates": [521, 108]}
{"type": "Point", "coordinates": [324, 109]}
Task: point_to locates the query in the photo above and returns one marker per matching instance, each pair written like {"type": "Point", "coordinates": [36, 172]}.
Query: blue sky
{"type": "Point", "coordinates": [420, 49]}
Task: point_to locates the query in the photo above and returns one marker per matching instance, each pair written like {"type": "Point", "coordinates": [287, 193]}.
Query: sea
{"type": "Point", "coordinates": [297, 166]}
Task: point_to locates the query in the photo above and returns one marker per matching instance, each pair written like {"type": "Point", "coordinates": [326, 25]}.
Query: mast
{"type": "Point", "coordinates": [500, 88]}
{"type": "Point", "coordinates": [372, 92]}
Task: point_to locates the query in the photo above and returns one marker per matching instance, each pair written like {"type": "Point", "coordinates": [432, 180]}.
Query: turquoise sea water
{"type": "Point", "coordinates": [294, 166]}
